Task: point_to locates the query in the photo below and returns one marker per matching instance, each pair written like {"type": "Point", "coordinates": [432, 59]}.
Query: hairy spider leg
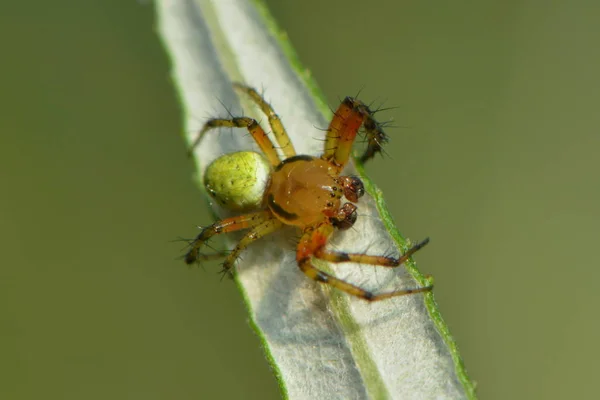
{"type": "Point", "coordinates": [311, 244]}
{"type": "Point", "coordinates": [382, 261]}
{"type": "Point", "coordinates": [263, 229]}
{"type": "Point", "coordinates": [257, 132]}
{"type": "Point", "coordinates": [227, 225]}
{"type": "Point", "coordinates": [344, 126]}
{"type": "Point", "coordinates": [376, 138]}
{"type": "Point", "coordinates": [278, 130]}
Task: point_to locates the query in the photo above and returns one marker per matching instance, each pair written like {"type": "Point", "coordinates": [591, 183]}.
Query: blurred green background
{"type": "Point", "coordinates": [496, 157]}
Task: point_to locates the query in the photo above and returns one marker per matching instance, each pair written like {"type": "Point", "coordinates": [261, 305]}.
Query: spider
{"type": "Point", "coordinates": [301, 190]}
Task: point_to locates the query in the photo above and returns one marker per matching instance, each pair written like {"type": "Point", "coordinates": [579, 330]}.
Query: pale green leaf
{"type": "Point", "coordinates": [321, 344]}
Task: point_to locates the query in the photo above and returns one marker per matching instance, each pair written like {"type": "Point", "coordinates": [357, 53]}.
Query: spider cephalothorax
{"type": "Point", "coordinates": [300, 190]}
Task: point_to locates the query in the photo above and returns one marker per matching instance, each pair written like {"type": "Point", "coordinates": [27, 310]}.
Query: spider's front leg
{"type": "Point", "coordinates": [312, 245]}
{"type": "Point", "coordinates": [347, 120]}
{"type": "Point", "coordinates": [224, 226]}
{"type": "Point", "coordinates": [381, 261]}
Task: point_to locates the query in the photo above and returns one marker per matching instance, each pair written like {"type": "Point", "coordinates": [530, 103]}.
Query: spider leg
{"type": "Point", "coordinates": [344, 126]}
{"type": "Point", "coordinates": [263, 229]}
{"type": "Point", "coordinates": [311, 244]}
{"type": "Point", "coordinates": [227, 225]}
{"type": "Point", "coordinates": [340, 257]}
{"type": "Point", "coordinates": [257, 132]}
{"type": "Point", "coordinates": [278, 130]}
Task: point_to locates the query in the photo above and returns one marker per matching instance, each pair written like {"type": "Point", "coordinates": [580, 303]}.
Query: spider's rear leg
{"type": "Point", "coordinates": [224, 226]}
{"type": "Point", "coordinates": [312, 244]}
{"type": "Point", "coordinates": [257, 132]}
{"type": "Point", "coordinates": [347, 120]}
{"type": "Point", "coordinates": [263, 229]}
{"type": "Point", "coordinates": [278, 130]}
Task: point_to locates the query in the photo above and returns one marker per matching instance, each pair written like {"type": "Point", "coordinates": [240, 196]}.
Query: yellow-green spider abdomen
{"type": "Point", "coordinates": [238, 180]}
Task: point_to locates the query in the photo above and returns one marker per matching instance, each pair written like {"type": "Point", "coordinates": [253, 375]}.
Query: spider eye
{"type": "Point", "coordinates": [353, 188]}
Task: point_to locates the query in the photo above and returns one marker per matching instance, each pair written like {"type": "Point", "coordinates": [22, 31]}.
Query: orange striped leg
{"type": "Point", "coordinates": [311, 243]}
{"type": "Point", "coordinates": [340, 257]}
{"type": "Point", "coordinates": [227, 225]}
{"type": "Point", "coordinates": [344, 126]}
{"type": "Point", "coordinates": [278, 130]}
{"type": "Point", "coordinates": [258, 134]}
{"type": "Point", "coordinates": [263, 229]}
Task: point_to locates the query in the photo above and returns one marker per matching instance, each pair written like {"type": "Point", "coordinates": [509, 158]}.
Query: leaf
{"type": "Point", "coordinates": [321, 344]}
